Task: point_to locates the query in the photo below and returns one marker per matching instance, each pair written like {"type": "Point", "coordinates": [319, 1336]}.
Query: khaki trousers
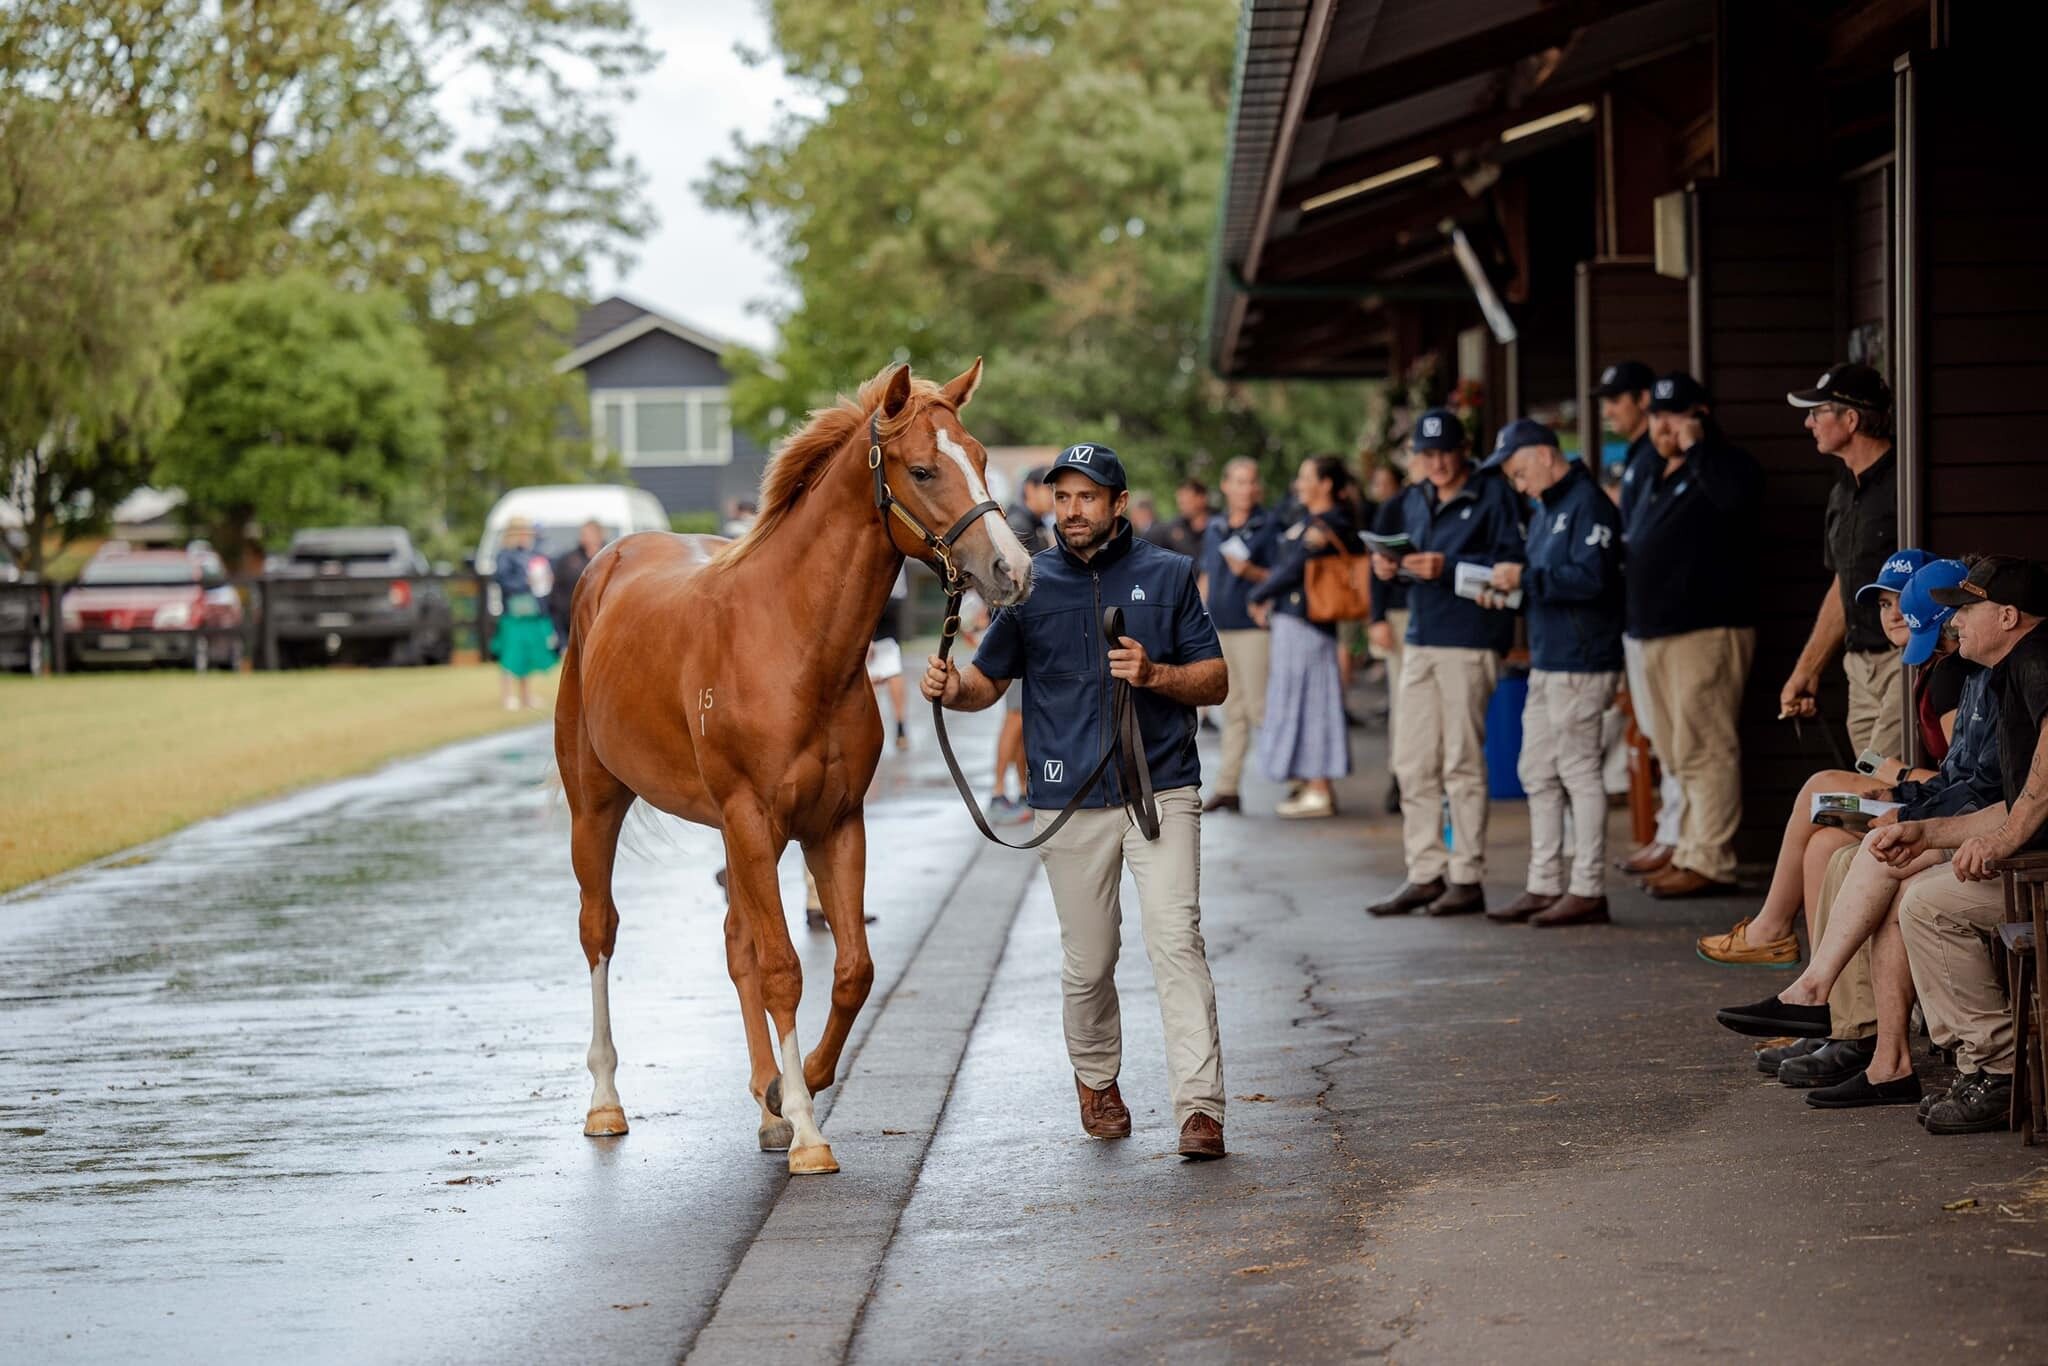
{"type": "Point", "coordinates": [1670, 797]}
{"type": "Point", "coordinates": [1852, 1005]}
{"type": "Point", "coordinates": [1085, 864]}
{"type": "Point", "coordinates": [1397, 622]}
{"type": "Point", "coordinates": [1561, 764]}
{"type": "Point", "coordinates": [1247, 654]}
{"type": "Point", "coordinates": [1946, 924]}
{"type": "Point", "coordinates": [1875, 719]}
{"type": "Point", "coordinates": [1695, 680]}
{"type": "Point", "coordinates": [1439, 751]}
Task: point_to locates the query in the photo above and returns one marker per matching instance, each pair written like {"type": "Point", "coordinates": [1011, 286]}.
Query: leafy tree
{"type": "Point", "coordinates": [315, 135]}
{"type": "Point", "coordinates": [1031, 179]}
{"type": "Point", "coordinates": [89, 269]}
{"type": "Point", "coordinates": [303, 405]}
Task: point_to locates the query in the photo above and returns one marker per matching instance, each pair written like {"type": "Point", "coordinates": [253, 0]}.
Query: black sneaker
{"type": "Point", "coordinates": [1771, 1017]}
{"type": "Point", "coordinates": [1831, 1065]}
{"type": "Point", "coordinates": [1976, 1104]}
{"type": "Point", "coordinates": [1768, 1060]}
{"type": "Point", "coordinates": [1860, 1090]}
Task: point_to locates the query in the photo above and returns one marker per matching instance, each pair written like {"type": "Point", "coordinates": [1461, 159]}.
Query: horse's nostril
{"type": "Point", "coordinates": [1002, 567]}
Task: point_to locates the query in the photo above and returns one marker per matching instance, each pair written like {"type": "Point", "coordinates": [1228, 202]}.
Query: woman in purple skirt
{"type": "Point", "coordinates": [1303, 741]}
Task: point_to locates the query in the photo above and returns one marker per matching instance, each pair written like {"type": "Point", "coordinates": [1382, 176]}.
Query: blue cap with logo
{"type": "Point", "coordinates": [1678, 392]}
{"type": "Point", "coordinates": [1097, 462]}
{"type": "Point", "coordinates": [1924, 616]}
{"type": "Point", "coordinates": [1898, 571]}
{"type": "Point", "coordinates": [1523, 431]}
{"type": "Point", "coordinates": [1438, 430]}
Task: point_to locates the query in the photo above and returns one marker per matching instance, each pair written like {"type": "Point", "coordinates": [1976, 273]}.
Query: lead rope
{"type": "Point", "coordinates": [1125, 744]}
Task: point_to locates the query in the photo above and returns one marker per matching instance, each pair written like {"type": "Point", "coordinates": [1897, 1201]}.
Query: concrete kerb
{"type": "Point", "coordinates": [798, 1292]}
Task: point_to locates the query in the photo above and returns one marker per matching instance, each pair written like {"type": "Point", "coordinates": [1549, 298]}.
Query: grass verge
{"type": "Point", "coordinates": [93, 763]}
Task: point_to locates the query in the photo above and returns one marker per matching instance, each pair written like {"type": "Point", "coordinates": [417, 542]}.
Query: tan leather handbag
{"type": "Point", "coordinates": [1338, 587]}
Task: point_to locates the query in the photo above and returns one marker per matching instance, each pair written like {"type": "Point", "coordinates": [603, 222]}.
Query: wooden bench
{"type": "Point", "coordinates": [2023, 956]}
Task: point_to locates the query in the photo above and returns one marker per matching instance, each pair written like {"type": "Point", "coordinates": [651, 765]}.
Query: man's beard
{"type": "Point", "coordinates": [1089, 538]}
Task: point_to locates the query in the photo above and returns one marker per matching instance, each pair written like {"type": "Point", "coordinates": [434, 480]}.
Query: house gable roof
{"type": "Point", "coordinates": [615, 322]}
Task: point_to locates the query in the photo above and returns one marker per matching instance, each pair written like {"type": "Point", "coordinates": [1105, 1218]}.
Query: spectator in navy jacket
{"type": "Point", "coordinates": [1237, 551]}
{"type": "Point", "coordinates": [1571, 589]}
{"type": "Point", "coordinates": [1452, 516]}
{"type": "Point", "coordinates": [1693, 560]}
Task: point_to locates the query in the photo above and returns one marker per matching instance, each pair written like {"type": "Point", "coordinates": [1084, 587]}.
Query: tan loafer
{"type": "Point", "coordinates": [1734, 949]}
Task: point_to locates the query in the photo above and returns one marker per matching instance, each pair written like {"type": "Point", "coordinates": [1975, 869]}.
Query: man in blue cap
{"type": "Point", "coordinates": [1692, 595]}
{"type": "Point", "coordinates": [1570, 582]}
{"type": "Point", "coordinates": [1453, 518]}
{"type": "Point", "coordinates": [1170, 657]}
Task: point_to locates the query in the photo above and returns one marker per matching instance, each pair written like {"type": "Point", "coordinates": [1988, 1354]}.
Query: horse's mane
{"type": "Point", "coordinates": [801, 459]}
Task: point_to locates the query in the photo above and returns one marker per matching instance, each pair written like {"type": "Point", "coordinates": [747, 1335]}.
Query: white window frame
{"type": "Point", "coordinates": [693, 400]}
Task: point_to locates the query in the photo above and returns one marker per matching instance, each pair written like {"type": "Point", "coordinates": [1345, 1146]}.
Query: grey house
{"type": "Point", "coordinates": [658, 400]}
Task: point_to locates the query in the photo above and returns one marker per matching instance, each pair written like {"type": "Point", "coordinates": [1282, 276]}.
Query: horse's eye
{"type": "Point", "coordinates": [920, 474]}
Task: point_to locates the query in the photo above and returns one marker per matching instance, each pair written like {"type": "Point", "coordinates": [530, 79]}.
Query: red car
{"type": "Point", "coordinates": [153, 607]}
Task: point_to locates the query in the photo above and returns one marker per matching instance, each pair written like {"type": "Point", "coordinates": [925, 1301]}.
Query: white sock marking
{"type": "Point", "coordinates": [796, 1097]}
{"type": "Point", "coordinates": [604, 1059]}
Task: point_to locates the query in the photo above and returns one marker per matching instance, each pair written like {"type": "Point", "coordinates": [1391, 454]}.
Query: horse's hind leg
{"type": "Point", "coordinates": [840, 863]}
{"type": "Point", "coordinates": [776, 1133]}
{"type": "Point", "coordinates": [751, 849]}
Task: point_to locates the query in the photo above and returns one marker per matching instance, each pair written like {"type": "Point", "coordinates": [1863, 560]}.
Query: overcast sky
{"type": "Point", "coordinates": [697, 265]}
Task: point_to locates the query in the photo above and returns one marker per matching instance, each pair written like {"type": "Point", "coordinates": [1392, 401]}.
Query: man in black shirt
{"type": "Point", "coordinates": [1184, 533]}
{"type": "Point", "coordinates": [1849, 412]}
{"type": "Point", "coordinates": [1945, 912]}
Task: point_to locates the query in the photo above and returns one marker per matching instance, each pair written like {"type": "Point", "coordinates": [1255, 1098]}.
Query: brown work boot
{"type": "Point", "coordinates": [1649, 859]}
{"type": "Point", "coordinates": [1574, 910]}
{"type": "Point", "coordinates": [1103, 1113]}
{"type": "Point", "coordinates": [1522, 907]}
{"type": "Point", "coordinates": [1459, 898]}
{"type": "Point", "coordinates": [1201, 1138]}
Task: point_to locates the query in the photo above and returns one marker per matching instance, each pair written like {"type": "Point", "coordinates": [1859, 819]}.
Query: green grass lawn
{"type": "Point", "coordinates": [93, 763]}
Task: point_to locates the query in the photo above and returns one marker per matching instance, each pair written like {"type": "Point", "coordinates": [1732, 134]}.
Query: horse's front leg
{"type": "Point", "coordinates": [839, 861]}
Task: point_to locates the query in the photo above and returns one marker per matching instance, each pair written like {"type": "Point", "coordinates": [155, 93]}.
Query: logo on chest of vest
{"type": "Point", "coordinates": [1137, 593]}
{"type": "Point", "coordinates": [1563, 520]}
{"type": "Point", "coordinates": [1055, 771]}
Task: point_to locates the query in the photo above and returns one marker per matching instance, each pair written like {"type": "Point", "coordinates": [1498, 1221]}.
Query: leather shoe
{"type": "Point", "coordinates": [1201, 1138]}
{"type": "Point", "coordinates": [1769, 1060]}
{"type": "Point", "coordinates": [1574, 910]}
{"type": "Point", "coordinates": [1676, 882]}
{"type": "Point", "coordinates": [1103, 1113]}
{"type": "Point", "coordinates": [1459, 898]}
{"type": "Point", "coordinates": [1649, 859]}
{"type": "Point", "coordinates": [1222, 801]}
{"type": "Point", "coordinates": [1840, 1060]}
{"type": "Point", "coordinates": [1411, 895]}
{"type": "Point", "coordinates": [1521, 908]}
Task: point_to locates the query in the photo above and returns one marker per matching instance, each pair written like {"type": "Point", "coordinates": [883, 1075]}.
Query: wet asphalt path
{"type": "Point", "coordinates": [307, 1082]}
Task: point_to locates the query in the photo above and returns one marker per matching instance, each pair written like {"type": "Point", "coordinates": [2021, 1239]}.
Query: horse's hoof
{"type": "Point", "coordinates": [815, 1160]}
{"type": "Point", "coordinates": [777, 1135]}
{"type": "Point", "coordinates": [772, 1097]}
{"type": "Point", "coordinates": [604, 1121]}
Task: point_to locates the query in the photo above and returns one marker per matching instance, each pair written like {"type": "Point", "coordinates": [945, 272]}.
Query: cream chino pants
{"type": "Point", "coordinates": [1439, 752]}
{"type": "Point", "coordinates": [1085, 864]}
{"type": "Point", "coordinates": [1560, 766]}
{"type": "Point", "coordinates": [1695, 683]}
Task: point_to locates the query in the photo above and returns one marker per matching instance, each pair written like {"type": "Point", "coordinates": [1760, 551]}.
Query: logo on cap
{"type": "Point", "coordinates": [1080, 455]}
{"type": "Point", "coordinates": [1898, 564]}
{"type": "Point", "coordinates": [1607, 375]}
{"type": "Point", "coordinates": [1826, 380]}
{"type": "Point", "coordinates": [1665, 388]}
{"type": "Point", "coordinates": [1432, 426]}
{"type": "Point", "coordinates": [1055, 771]}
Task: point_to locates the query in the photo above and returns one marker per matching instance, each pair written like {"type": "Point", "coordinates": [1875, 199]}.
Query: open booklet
{"type": "Point", "coordinates": [1471, 580]}
{"type": "Point", "coordinates": [1846, 810]}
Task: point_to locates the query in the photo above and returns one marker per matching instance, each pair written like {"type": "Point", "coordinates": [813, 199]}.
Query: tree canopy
{"type": "Point", "coordinates": [1029, 180]}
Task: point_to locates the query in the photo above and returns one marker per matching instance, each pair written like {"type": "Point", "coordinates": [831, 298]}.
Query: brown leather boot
{"type": "Point", "coordinates": [1521, 908]}
{"type": "Point", "coordinates": [1651, 858]}
{"type": "Point", "coordinates": [1573, 910]}
{"type": "Point", "coordinates": [1201, 1138]}
{"type": "Point", "coordinates": [1103, 1113]}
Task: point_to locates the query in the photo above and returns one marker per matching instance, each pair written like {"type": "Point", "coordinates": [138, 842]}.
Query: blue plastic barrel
{"type": "Point", "coordinates": [1504, 737]}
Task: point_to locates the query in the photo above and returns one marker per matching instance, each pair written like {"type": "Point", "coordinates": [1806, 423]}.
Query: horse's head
{"type": "Point", "coordinates": [937, 471]}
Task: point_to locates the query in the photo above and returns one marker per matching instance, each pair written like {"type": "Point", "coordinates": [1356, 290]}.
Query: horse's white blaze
{"type": "Point", "coordinates": [796, 1097]}
{"type": "Point", "coordinates": [604, 1059]}
{"type": "Point", "coordinates": [1008, 548]}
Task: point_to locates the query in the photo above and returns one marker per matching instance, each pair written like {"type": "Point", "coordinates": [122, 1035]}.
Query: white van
{"type": "Point", "coordinates": [558, 512]}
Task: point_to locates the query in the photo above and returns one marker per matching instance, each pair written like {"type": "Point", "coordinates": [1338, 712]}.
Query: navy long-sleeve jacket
{"type": "Point", "coordinates": [1571, 585]}
{"type": "Point", "coordinates": [1481, 524]}
{"type": "Point", "coordinates": [1389, 595]}
{"type": "Point", "coordinates": [1969, 777]}
{"type": "Point", "coordinates": [1693, 553]}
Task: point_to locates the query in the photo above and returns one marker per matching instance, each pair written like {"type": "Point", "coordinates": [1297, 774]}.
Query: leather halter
{"type": "Point", "coordinates": [939, 546]}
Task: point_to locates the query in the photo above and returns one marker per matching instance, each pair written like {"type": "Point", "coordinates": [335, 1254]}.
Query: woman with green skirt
{"type": "Point", "coordinates": [524, 642]}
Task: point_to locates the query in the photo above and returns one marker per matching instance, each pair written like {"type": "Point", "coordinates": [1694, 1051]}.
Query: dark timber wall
{"type": "Point", "coordinates": [1626, 311]}
{"type": "Point", "coordinates": [1763, 292]}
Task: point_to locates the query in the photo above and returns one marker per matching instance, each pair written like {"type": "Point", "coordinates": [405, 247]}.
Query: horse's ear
{"type": "Point", "coordinates": [896, 392]}
{"type": "Point", "coordinates": [961, 387]}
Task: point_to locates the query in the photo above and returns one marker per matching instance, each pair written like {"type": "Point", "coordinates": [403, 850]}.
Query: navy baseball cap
{"type": "Point", "coordinates": [1924, 616]}
{"type": "Point", "coordinates": [1850, 384]}
{"type": "Point", "coordinates": [1438, 430]}
{"type": "Point", "coordinates": [1898, 571]}
{"type": "Point", "coordinates": [1678, 392]}
{"type": "Point", "coordinates": [1523, 431]}
{"type": "Point", "coordinates": [1097, 462]}
{"type": "Point", "coordinates": [2007, 580]}
{"type": "Point", "coordinates": [1628, 377]}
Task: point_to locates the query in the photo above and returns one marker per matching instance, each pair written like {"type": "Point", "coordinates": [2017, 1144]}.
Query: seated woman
{"type": "Point", "coordinates": [1303, 740]}
{"type": "Point", "coordinates": [1766, 940]}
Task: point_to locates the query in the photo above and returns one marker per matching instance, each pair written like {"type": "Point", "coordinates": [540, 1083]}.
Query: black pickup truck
{"type": "Point", "coordinates": [359, 594]}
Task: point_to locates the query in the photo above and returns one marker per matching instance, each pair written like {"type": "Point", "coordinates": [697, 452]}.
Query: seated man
{"type": "Point", "coordinates": [1805, 850]}
{"type": "Point", "coordinates": [1947, 904]}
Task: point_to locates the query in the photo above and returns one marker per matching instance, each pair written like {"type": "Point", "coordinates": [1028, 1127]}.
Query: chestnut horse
{"type": "Point", "coordinates": [726, 683]}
